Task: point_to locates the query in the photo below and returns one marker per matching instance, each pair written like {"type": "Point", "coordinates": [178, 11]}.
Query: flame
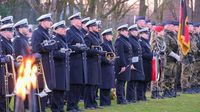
{"type": "Point", "coordinates": [27, 78]}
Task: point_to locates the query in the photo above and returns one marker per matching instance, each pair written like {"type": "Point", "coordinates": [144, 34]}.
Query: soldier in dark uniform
{"type": "Point", "coordinates": [20, 43]}
{"type": "Point", "coordinates": [99, 26]}
{"type": "Point", "coordinates": [147, 56]}
{"type": "Point", "coordinates": [78, 64]}
{"type": "Point", "coordinates": [42, 43]}
{"type": "Point", "coordinates": [97, 32]}
{"type": "Point", "coordinates": [107, 69]}
{"type": "Point", "coordinates": [137, 74]}
{"type": "Point", "coordinates": [94, 64]}
{"type": "Point", "coordinates": [60, 59]}
{"type": "Point", "coordinates": [3, 59]}
{"type": "Point", "coordinates": [6, 49]}
{"type": "Point", "coordinates": [84, 28]}
{"type": "Point", "coordinates": [140, 21]}
{"type": "Point", "coordinates": [123, 64]}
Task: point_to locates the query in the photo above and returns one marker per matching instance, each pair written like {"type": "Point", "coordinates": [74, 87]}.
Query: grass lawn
{"type": "Point", "coordinates": [183, 103]}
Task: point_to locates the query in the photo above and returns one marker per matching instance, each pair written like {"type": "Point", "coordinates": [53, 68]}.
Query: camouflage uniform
{"type": "Point", "coordinates": [170, 69]}
{"type": "Point", "coordinates": [156, 44]}
{"type": "Point", "coordinates": [187, 68]}
{"type": "Point", "coordinates": [179, 71]}
{"type": "Point", "coordinates": [195, 48]}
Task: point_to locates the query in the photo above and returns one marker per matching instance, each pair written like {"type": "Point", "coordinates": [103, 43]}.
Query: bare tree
{"type": "Point", "coordinates": [143, 8]}
{"type": "Point", "coordinates": [197, 11]}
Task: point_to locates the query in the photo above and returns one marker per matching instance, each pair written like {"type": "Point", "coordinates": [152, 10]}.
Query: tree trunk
{"type": "Point", "coordinates": [143, 8]}
{"type": "Point", "coordinates": [196, 11]}
{"type": "Point", "coordinates": [92, 8]}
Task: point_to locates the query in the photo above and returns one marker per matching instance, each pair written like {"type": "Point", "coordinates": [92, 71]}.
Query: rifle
{"type": "Point", "coordinates": [131, 69]}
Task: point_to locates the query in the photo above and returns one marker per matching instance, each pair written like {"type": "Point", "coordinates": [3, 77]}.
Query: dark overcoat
{"type": "Point", "coordinates": [124, 52]}
{"type": "Point", "coordinates": [6, 49]}
{"type": "Point", "coordinates": [61, 68]}
{"type": "Point", "coordinates": [21, 45]}
{"type": "Point", "coordinates": [78, 64]}
{"type": "Point", "coordinates": [93, 59]}
{"type": "Point", "coordinates": [107, 67]}
{"type": "Point", "coordinates": [137, 60]}
{"type": "Point", "coordinates": [147, 56]}
{"type": "Point", "coordinates": [39, 35]}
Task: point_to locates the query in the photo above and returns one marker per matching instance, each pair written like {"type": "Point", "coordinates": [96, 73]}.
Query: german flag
{"type": "Point", "coordinates": [183, 33]}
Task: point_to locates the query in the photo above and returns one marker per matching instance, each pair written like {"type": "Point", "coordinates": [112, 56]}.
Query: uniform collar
{"type": "Point", "coordinates": [43, 29]}
{"type": "Point", "coordinates": [134, 37]}
{"type": "Point", "coordinates": [22, 36]}
{"type": "Point", "coordinates": [122, 36]}
{"type": "Point", "coordinates": [106, 41]}
{"type": "Point", "coordinates": [147, 41]}
{"type": "Point", "coordinates": [5, 39]}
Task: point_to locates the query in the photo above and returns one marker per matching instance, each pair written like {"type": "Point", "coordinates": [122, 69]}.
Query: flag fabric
{"type": "Point", "coordinates": [155, 69]}
{"type": "Point", "coordinates": [183, 33]}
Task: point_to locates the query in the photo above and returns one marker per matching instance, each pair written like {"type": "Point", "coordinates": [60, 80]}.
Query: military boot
{"type": "Point", "coordinates": [159, 96]}
{"type": "Point", "coordinates": [173, 93]}
{"type": "Point", "coordinates": [166, 94]}
{"type": "Point", "coordinates": [154, 95]}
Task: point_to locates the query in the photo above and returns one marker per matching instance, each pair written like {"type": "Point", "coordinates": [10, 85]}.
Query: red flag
{"type": "Point", "coordinates": [183, 33]}
{"type": "Point", "coordinates": [154, 71]}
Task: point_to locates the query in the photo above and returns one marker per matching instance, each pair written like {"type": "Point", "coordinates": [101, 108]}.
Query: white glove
{"type": "Point", "coordinates": [174, 55]}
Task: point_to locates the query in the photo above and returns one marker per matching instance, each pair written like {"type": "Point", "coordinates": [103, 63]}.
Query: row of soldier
{"type": "Point", "coordinates": [76, 60]}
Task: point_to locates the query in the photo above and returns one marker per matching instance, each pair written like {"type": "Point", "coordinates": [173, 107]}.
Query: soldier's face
{"type": "Point", "coordinates": [134, 33]}
{"type": "Point", "coordinates": [61, 31]}
{"type": "Point", "coordinates": [176, 28]}
{"type": "Point", "coordinates": [124, 32]}
{"type": "Point", "coordinates": [141, 23]}
{"type": "Point", "coordinates": [145, 36]}
{"type": "Point", "coordinates": [161, 33]}
{"type": "Point", "coordinates": [8, 34]}
{"type": "Point", "coordinates": [77, 22]}
{"type": "Point", "coordinates": [169, 27]}
{"type": "Point", "coordinates": [84, 27]}
{"type": "Point", "coordinates": [149, 25]}
{"type": "Point", "coordinates": [191, 28]}
{"type": "Point", "coordinates": [95, 28]}
{"type": "Point", "coordinates": [48, 24]}
{"type": "Point", "coordinates": [24, 30]}
{"type": "Point", "coordinates": [109, 37]}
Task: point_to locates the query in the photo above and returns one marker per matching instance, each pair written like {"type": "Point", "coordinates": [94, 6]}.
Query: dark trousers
{"type": "Point", "coordinates": [97, 90]}
{"type": "Point", "coordinates": [57, 101]}
{"type": "Point", "coordinates": [2, 104]}
{"type": "Point", "coordinates": [120, 91]}
{"type": "Point", "coordinates": [131, 92]}
{"type": "Point", "coordinates": [74, 96]}
{"type": "Point", "coordinates": [105, 99]}
{"type": "Point", "coordinates": [145, 88]}
{"type": "Point", "coordinates": [140, 90]}
{"type": "Point", "coordinates": [82, 93]}
{"type": "Point", "coordinates": [26, 102]}
{"type": "Point", "coordinates": [90, 96]}
{"type": "Point", "coordinates": [41, 103]}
